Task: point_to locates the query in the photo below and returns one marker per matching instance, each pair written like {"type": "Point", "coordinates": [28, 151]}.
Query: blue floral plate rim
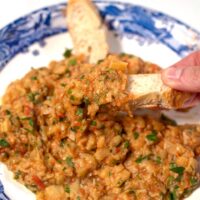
{"type": "Point", "coordinates": [5, 57]}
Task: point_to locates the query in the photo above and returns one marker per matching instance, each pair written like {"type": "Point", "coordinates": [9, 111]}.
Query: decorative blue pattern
{"type": "Point", "coordinates": [3, 196]}
{"type": "Point", "coordinates": [125, 19]}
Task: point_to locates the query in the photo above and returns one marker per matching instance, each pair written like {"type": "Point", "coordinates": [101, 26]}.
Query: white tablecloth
{"type": "Point", "coordinates": [184, 10]}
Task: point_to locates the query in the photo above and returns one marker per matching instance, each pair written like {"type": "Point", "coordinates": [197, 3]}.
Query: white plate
{"type": "Point", "coordinates": [41, 36]}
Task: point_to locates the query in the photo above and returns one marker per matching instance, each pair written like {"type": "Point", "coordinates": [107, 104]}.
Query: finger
{"type": "Point", "coordinates": [182, 78]}
{"type": "Point", "coordinates": [191, 60]}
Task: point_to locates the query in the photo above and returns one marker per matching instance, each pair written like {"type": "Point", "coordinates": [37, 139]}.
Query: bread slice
{"type": "Point", "coordinates": [148, 90]}
{"type": "Point", "coordinates": [87, 30]}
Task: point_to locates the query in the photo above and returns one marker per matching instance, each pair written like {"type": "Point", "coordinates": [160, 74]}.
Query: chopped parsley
{"type": "Point", "coordinates": [59, 161]}
{"type": "Point", "coordinates": [17, 174]}
{"type": "Point", "coordinates": [176, 169]}
{"type": "Point", "coordinates": [86, 101]}
{"type": "Point", "coordinates": [63, 84]}
{"type": "Point", "coordinates": [93, 123]}
{"type": "Point", "coordinates": [74, 129]}
{"type": "Point", "coordinates": [72, 62]}
{"type": "Point", "coordinates": [67, 53]}
{"type": "Point", "coordinates": [152, 136]}
{"type": "Point", "coordinates": [31, 122]}
{"type": "Point", "coordinates": [69, 91]}
{"type": "Point", "coordinates": [82, 77]}
{"type": "Point", "coordinates": [4, 143]}
{"type": "Point", "coordinates": [69, 161]}
{"type": "Point", "coordinates": [78, 198]}
{"type": "Point", "coordinates": [141, 158]}
{"type": "Point", "coordinates": [33, 78]}
{"type": "Point", "coordinates": [158, 159]}
{"type": "Point", "coordinates": [32, 96]}
{"type": "Point", "coordinates": [135, 135]}
{"type": "Point", "coordinates": [72, 98]}
{"type": "Point", "coordinates": [170, 180]}
{"type": "Point", "coordinates": [67, 189]}
{"type": "Point", "coordinates": [172, 195]}
{"type": "Point", "coordinates": [28, 130]}
{"type": "Point", "coordinates": [126, 144]}
{"type": "Point", "coordinates": [8, 112]}
{"type": "Point", "coordinates": [193, 181]}
{"type": "Point", "coordinates": [79, 112]}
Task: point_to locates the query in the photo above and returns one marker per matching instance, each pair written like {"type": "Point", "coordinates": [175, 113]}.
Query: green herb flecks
{"type": "Point", "coordinates": [75, 129]}
{"type": "Point", "coordinates": [67, 53]}
{"type": "Point", "coordinates": [72, 62]}
{"type": "Point", "coordinates": [82, 77]}
{"type": "Point", "coordinates": [69, 91]}
{"type": "Point", "coordinates": [126, 144]}
{"type": "Point", "coordinates": [93, 123]}
{"type": "Point", "coordinates": [72, 98]}
{"type": "Point", "coordinates": [193, 181]}
{"type": "Point", "coordinates": [109, 173]}
{"type": "Point", "coordinates": [79, 112]}
{"type": "Point", "coordinates": [63, 84]}
{"type": "Point", "coordinates": [33, 78]}
{"type": "Point", "coordinates": [152, 136]}
{"type": "Point", "coordinates": [69, 161]}
{"type": "Point", "coordinates": [86, 101]}
{"type": "Point", "coordinates": [67, 188]}
{"type": "Point", "coordinates": [158, 160]}
{"type": "Point", "coordinates": [4, 143]}
{"type": "Point", "coordinates": [172, 196]}
{"type": "Point", "coordinates": [135, 135]}
{"type": "Point", "coordinates": [32, 97]}
{"type": "Point", "coordinates": [176, 169]}
{"type": "Point", "coordinates": [17, 174]}
{"type": "Point", "coordinates": [7, 112]}
{"type": "Point", "coordinates": [31, 122]}
{"type": "Point", "coordinates": [28, 130]}
{"type": "Point", "coordinates": [142, 158]}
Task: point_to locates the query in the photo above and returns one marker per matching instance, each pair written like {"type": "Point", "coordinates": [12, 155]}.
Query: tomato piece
{"type": "Point", "coordinates": [117, 150]}
{"type": "Point", "coordinates": [27, 110]}
{"type": "Point", "coordinates": [38, 182]}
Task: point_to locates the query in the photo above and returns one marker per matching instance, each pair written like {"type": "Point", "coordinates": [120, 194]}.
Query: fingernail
{"type": "Point", "coordinates": [173, 73]}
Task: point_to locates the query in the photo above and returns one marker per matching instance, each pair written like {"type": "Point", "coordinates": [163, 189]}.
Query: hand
{"type": "Point", "coordinates": [185, 76]}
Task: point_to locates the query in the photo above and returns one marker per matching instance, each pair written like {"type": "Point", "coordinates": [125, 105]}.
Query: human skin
{"type": "Point", "coordinates": [185, 76]}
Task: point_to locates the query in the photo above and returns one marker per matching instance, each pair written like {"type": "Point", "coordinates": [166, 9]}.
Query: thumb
{"type": "Point", "coordinates": [182, 78]}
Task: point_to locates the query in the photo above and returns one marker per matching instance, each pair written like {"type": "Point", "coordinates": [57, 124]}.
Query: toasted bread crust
{"type": "Point", "coordinates": [148, 90]}
{"type": "Point", "coordinates": [87, 31]}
